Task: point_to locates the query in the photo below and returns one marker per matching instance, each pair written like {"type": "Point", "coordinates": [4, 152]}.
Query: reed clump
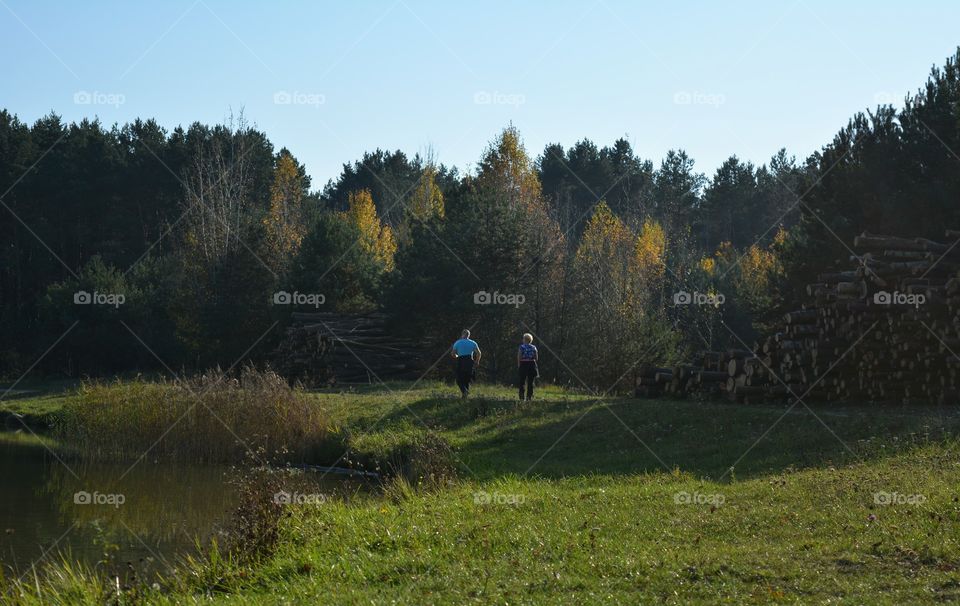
{"type": "Point", "coordinates": [212, 418]}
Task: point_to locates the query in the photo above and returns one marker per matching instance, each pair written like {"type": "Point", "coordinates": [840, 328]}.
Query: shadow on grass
{"type": "Point", "coordinates": [372, 388]}
{"type": "Point", "coordinates": [567, 436]}
{"type": "Point", "coordinates": [36, 389]}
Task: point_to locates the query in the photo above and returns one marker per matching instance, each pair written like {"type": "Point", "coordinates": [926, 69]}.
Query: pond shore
{"type": "Point", "coordinates": [570, 500]}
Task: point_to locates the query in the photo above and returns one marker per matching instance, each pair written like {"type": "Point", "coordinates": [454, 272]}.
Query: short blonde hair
{"type": "Point", "coordinates": [527, 337]}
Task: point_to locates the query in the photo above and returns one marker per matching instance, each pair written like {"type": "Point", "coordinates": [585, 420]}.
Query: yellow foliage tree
{"type": "Point", "coordinates": [508, 169]}
{"type": "Point", "coordinates": [751, 275]}
{"type": "Point", "coordinates": [284, 222]}
{"type": "Point", "coordinates": [603, 260]}
{"type": "Point", "coordinates": [617, 274]}
{"type": "Point", "coordinates": [427, 199]}
{"type": "Point", "coordinates": [758, 267]}
{"type": "Point", "coordinates": [651, 251]}
{"type": "Point", "coordinates": [708, 265]}
{"type": "Point", "coordinates": [375, 238]}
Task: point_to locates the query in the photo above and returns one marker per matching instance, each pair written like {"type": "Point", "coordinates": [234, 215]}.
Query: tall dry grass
{"type": "Point", "coordinates": [211, 418]}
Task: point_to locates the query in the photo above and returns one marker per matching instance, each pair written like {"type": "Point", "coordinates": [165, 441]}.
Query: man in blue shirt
{"type": "Point", "coordinates": [467, 353]}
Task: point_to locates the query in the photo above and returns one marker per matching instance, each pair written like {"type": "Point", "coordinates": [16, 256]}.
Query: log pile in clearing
{"type": "Point", "coordinates": [328, 348]}
{"type": "Point", "coordinates": [886, 330]}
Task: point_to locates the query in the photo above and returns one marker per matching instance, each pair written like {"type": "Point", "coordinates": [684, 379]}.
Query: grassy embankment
{"type": "Point", "coordinates": [568, 501]}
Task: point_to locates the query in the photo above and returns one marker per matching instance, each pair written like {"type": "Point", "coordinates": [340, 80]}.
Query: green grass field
{"type": "Point", "coordinates": [34, 401]}
{"type": "Point", "coordinates": [571, 500]}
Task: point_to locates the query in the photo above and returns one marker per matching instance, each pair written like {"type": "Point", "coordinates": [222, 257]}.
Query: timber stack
{"type": "Point", "coordinates": [886, 329]}
{"type": "Point", "coordinates": [326, 348]}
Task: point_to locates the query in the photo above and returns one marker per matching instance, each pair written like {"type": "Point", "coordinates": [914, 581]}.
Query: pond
{"type": "Point", "coordinates": [146, 514]}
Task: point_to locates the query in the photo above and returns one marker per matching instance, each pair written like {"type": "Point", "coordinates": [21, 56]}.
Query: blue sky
{"type": "Point", "coordinates": [329, 80]}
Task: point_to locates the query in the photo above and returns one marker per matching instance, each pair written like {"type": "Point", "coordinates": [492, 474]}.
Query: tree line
{"type": "Point", "coordinates": [609, 258]}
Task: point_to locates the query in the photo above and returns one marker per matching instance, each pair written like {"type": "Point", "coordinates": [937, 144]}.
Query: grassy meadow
{"type": "Point", "coordinates": [567, 499]}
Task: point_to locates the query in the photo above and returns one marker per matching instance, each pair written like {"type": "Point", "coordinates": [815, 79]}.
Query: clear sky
{"type": "Point", "coordinates": [330, 80]}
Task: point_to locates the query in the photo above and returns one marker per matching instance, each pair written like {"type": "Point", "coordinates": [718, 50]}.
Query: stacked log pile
{"type": "Point", "coordinates": [885, 330]}
{"type": "Point", "coordinates": [327, 348]}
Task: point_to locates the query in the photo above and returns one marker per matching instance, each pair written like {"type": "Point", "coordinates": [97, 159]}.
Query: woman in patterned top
{"type": "Point", "coordinates": [527, 357]}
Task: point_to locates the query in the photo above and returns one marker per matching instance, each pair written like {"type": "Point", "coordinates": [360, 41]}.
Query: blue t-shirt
{"type": "Point", "coordinates": [528, 352]}
{"type": "Point", "coordinates": [465, 347]}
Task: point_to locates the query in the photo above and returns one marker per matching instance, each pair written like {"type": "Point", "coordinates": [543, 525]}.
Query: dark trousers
{"type": "Point", "coordinates": [464, 373]}
{"type": "Point", "coordinates": [528, 374]}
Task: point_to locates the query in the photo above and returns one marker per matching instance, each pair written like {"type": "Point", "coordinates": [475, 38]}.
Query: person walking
{"type": "Point", "coordinates": [467, 354]}
{"type": "Point", "coordinates": [527, 357]}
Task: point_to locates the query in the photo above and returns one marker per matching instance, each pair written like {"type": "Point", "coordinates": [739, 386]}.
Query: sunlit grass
{"type": "Point", "coordinates": [210, 418]}
{"type": "Point", "coordinates": [64, 582]}
{"type": "Point", "coordinates": [564, 500]}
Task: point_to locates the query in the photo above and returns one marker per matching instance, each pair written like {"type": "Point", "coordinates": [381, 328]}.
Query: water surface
{"type": "Point", "coordinates": [145, 513]}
